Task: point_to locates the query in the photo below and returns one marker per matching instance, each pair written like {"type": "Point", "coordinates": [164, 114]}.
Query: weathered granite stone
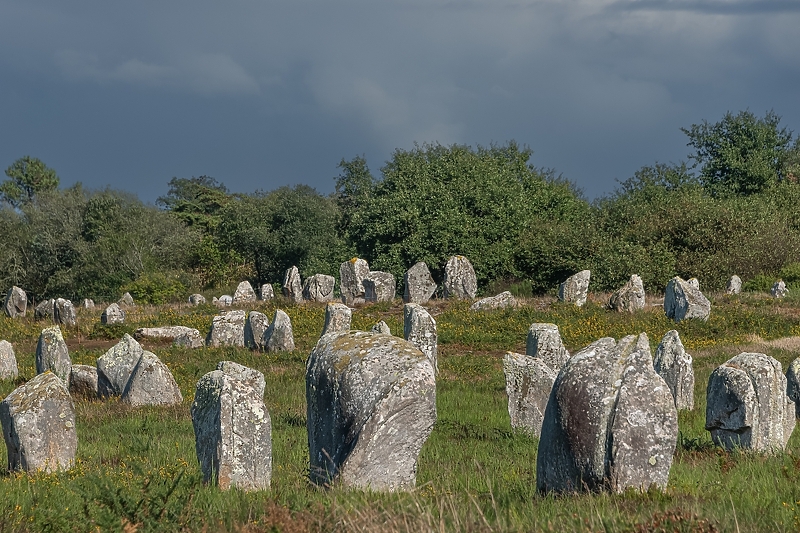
{"type": "Point", "coordinates": [164, 332]}
{"type": "Point", "coordinates": [528, 384]}
{"type": "Point", "coordinates": [419, 285]}
{"type": "Point", "coordinates": [151, 383]}
{"type": "Point", "coordinates": [227, 329]}
{"type": "Point", "coordinates": [64, 313]}
{"type": "Point", "coordinates": [694, 282]}
{"type": "Point", "coordinates": [126, 300]}
{"type": "Point", "coordinates": [371, 403]}
{"type": "Point", "coordinates": [682, 300]}
{"type": "Point", "coordinates": [734, 285]}
{"type": "Point", "coordinates": [113, 315]}
{"type": "Point", "coordinates": [39, 425]}
{"type": "Point", "coordinates": [610, 422]}
{"type": "Point", "coordinates": [793, 384]}
{"type": "Point", "coordinates": [576, 288]}
{"type": "Point", "coordinates": [319, 288]}
{"type": "Point", "coordinates": [87, 303]}
{"type": "Point", "coordinates": [244, 293]}
{"type": "Point", "coordinates": [544, 342]}
{"type": "Point", "coordinates": [8, 361]}
{"type": "Point", "coordinates": [115, 367]}
{"type": "Point", "coordinates": [52, 354]}
{"type": "Point", "coordinates": [381, 327]}
{"type": "Point", "coordinates": [351, 278]}
{"type": "Point", "coordinates": [279, 337]}
{"type": "Point", "coordinates": [419, 328]}
{"type": "Point", "coordinates": [747, 404]}
{"type": "Point", "coordinates": [674, 365]}
{"type": "Point", "coordinates": [379, 287]}
{"type": "Point", "coordinates": [292, 286]}
{"type": "Point", "coordinates": [83, 381]}
{"type": "Point", "coordinates": [44, 309]}
{"type": "Point", "coordinates": [779, 289]}
{"type": "Point", "coordinates": [16, 302]}
{"type": "Point", "coordinates": [224, 301]}
{"type": "Point", "coordinates": [503, 300]}
{"type": "Point", "coordinates": [254, 328]}
{"type": "Point", "coordinates": [630, 298]}
{"type": "Point", "coordinates": [189, 339]}
{"type": "Point", "coordinates": [267, 292]}
{"type": "Point", "coordinates": [337, 319]}
{"type": "Point", "coordinates": [232, 427]}
{"type": "Point", "coordinates": [197, 299]}
{"type": "Point", "coordinates": [459, 278]}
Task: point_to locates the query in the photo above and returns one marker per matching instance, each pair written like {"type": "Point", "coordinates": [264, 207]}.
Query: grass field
{"type": "Point", "coordinates": [137, 471]}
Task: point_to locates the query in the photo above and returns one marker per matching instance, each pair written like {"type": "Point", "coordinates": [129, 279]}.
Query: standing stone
{"type": "Point", "coordinates": [319, 288]}
{"type": "Point", "coordinates": [151, 383]}
{"type": "Point", "coordinates": [197, 299]}
{"type": "Point", "coordinates": [87, 303]}
{"type": "Point", "coordinates": [8, 361]}
{"type": "Point", "coordinates": [267, 292]}
{"type": "Point", "coordinates": [44, 309]}
{"type": "Point", "coordinates": [793, 384]}
{"type": "Point", "coordinates": [64, 313]}
{"type": "Point", "coordinates": [254, 328]}
{"type": "Point", "coordinates": [351, 278]}
{"type": "Point", "coordinates": [674, 365]}
{"type": "Point", "coordinates": [419, 328]}
{"type": "Point", "coordinates": [189, 339]}
{"type": "Point", "coordinates": [459, 278]}
{"type": "Point", "coordinates": [528, 384]}
{"type": "Point", "coordinates": [39, 425]}
{"type": "Point", "coordinates": [610, 422]}
{"type": "Point", "coordinates": [227, 329]}
{"type": "Point", "coordinates": [504, 300]}
{"type": "Point", "coordinates": [694, 282]}
{"type": "Point", "coordinates": [779, 289]}
{"type": "Point", "coordinates": [278, 337]}
{"type": "Point", "coordinates": [115, 367]}
{"type": "Point", "coordinates": [16, 302]}
{"type": "Point", "coordinates": [630, 298]}
{"type": "Point", "coordinates": [113, 315]}
{"type": "Point", "coordinates": [83, 381]}
{"type": "Point", "coordinates": [379, 287]}
{"type": "Point", "coordinates": [381, 327]}
{"type": "Point", "coordinates": [244, 293]}
{"type": "Point", "coordinates": [544, 342]}
{"type": "Point", "coordinates": [371, 405]}
{"type": "Point", "coordinates": [576, 288]}
{"type": "Point", "coordinates": [419, 285]}
{"type": "Point", "coordinates": [225, 300]}
{"type": "Point", "coordinates": [337, 319]}
{"type": "Point", "coordinates": [126, 300]}
{"type": "Point", "coordinates": [747, 404]}
{"type": "Point", "coordinates": [232, 427]}
{"type": "Point", "coordinates": [683, 300]}
{"type": "Point", "coordinates": [52, 354]}
{"type": "Point", "coordinates": [734, 285]}
{"type": "Point", "coordinates": [292, 287]}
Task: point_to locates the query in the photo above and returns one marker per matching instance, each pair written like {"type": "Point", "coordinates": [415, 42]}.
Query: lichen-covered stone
{"type": "Point", "coordinates": [254, 327]}
{"type": "Point", "coordinates": [44, 309]}
{"type": "Point", "coordinates": [337, 319]}
{"type": "Point", "coordinates": [747, 404]}
{"type": "Point", "coordinates": [734, 285]}
{"type": "Point", "coordinates": [292, 286]}
{"type": "Point", "coordinates": [319, 288]}
{"type": "Point", "coordinates": [694, 282]}
{"type": "Point", "coordinates": [226, 300]}
{"type": "Point", "coordinates": [459, 278]}
{"type": "Point", "coordinates": [232, 427]}
{"type": "Point", "coordinates": [419, 328]}
{"type": "Point", "coordinates": [126, 300]}
{"type": "Point", "coordinates": [227, 329]}
{"type": "Point", "coordinates": [244, 293]}
{"type": "Point", "coordinates": [419, 285]}
{"type": "Point", "coordinates": [610, 422]}
{"type": "Point", "coordinates": [39, 425]}
{"type": "Point", "coordinates": [674, 365]}
{"type": "Point", "coordinates": [351, 280]}
{"type": "Point", "coordinates": [113, 314]}
{"type": "Point", "coordinates": [779, 289]}
{"type": "Point", "coordinates": [371, 404]}
{"type": "Point", "coordinates": [279, 336]}
{"type": "Point", "coordinates": [576, 288]}
{"type": "Point", "coordinates": [630, 297]}
{"type": "Point", "coordinates": [87, 303]}
{"type": "Point", "coordinates": [163, 332]}
{"type": "Point", "coordinates": [83, 381]}
{"type": "Point", "coordinates": [544, 342]}
{"type": "Point", "coordinates": [504, 300]}
{"type": "Point", "coordinates": [528, 384]}
{"type": "Point", "coordinates": [379, 287]}
{"type": "Point", "coordinates": [189, 339]}
{"type": "Point", "coordinates": [16, 302]}
{"type": "Point", "coordinates": [151, 383]}
{"type": "Point", "coordinates": [8, 361]}
{"type": "Point", "coordinates": [381, 327]}
{"type": "Point", "coordinates": [267, 292]}
{"type": "Point", "coordinates": [64, 313]}
{"type": "Point", "coordinates": [114, 368]}
{"type": "Point", "coordinates": [52, 354]}
{"type": "Point", "coordinates": [683, 300]}
{"type": "Point", "coordinates": [793, 384]}
{"type": "Point", "coordinates": [197, 299]}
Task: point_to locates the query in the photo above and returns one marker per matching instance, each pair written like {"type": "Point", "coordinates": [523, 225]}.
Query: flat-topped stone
{"type": "Point", "coordinates": [576, 288]}
{"type": "Point", "coordinates": [418, 283]}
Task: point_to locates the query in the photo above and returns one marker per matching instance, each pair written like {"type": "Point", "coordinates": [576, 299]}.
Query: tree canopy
{"type": "Point", "coordinates": [28, 177]}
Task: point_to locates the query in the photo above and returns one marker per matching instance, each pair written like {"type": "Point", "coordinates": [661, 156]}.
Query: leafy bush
{"type": "Point", "coordinates": [156, 288]}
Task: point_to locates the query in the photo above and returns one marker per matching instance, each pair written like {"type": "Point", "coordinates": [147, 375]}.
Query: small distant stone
{"type": "Point", "coordinates": [694, 282]}
{"type": "Point", "coordinates": [83, 381]}
{"type": "Point", "coordinates": [734, 285]}
{"type": "Point", "coordinates": [292, 286]}
{"type": "Point", "coordinates": [52, 354]}
{"type": "Point", "coordinates": [244, 293]}
{"type": "Point", "coordinates": [151, 383]}
{"type": "Point", "coordinates": [267, 292]}
{"type": "Point", "coordinates": [126, 300]}
{"type": "Point", "coordinates": [381, 327]}
{"type": "Point", "coordinates": [8, 361]}
{"type": "Point", "coordinates": [351, 280]}
{"type": "Point", "coordinates": [44, 309]}
{"type": "Point", "coordinates": [504, 300]}
{"type": "Point", "coordinates": [779, 289]}
{"type": "Point", "coordinates": [419, 328]}
{"type": "Point", "coordinates": [337, 319]}
{"type": "Point", "coordinates": [419, 285]}
{"type": "Point", "coordinates": [254, 327]}
{"type": "Point", "coordinates": [576, 288]}
{"type": "Point", "coordinates": [87, 303]}
{"type": "Point", "coordinates": [225, 300]}
{"type": "Point", "coordinates": [319, 288]}
{"type": "Point", "coordinates": [227, 329]}
{"type": "Point", "coordinates": [279, 337]}
{"type": "Point", "coordinates": [459, 278]}
{"type": "Point", "coordinates": [630, 298]}
{"type": "Point", "coordinates": [16, 302]}
{"type": "Point", "coordinates": [113, 315]}
{"type": "Point", "coordinates": [197, 299]}
{"type": "Point", "coordinates": [64, 313]}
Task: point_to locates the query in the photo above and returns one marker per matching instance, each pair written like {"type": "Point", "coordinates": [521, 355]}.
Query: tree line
{"type": "Point", "coordinates": [733, 207]}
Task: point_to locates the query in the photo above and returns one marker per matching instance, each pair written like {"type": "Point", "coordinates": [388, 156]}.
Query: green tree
{"type": "Point", "coordinates": [28, 177]}
{"type": "Point", "coordinates": [741, 154]}
{"type": "Point", "coordinates": [354, 186]}
{"type": "Point", "coordinates": [196, 201]}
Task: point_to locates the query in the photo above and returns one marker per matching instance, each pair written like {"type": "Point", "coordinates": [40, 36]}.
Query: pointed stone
{"type": "Point", "coordinates": [151, 383]}
{"type": "Point", "coordinates": [115, 367]}
{"type": "Point", "coordinates": [528, 384]}
{"type": "Point", "coordinates": [87, 303]}
{"type": "Point", "coordinates": [630, 298]}
{"type": "Point", "coordinates": [734, 285]}
{"type": "Point", "coordinates": [113, 315]}
{"type": "Point", "coordinates": [674, 365]}
{"type": "Point", "coordinates": [244, 293]}
{"type": "Point", "coordinates": [419, 328]}
{"type": "Point", "coordinates": [267, 292]}
{"type": "Point", "coordinates": [126, 300]}
{"type": "Point", "coordinates": [52, 354]}
{"type": "Point", "coordinates": [254, 328]}
{"type": "Point", "coordinates": [544, 342]}
{"type": "Point", "coordinates": [279, 337]}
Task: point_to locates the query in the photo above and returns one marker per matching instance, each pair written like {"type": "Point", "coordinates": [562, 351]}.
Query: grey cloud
{"type": "Point", "coordinates": [711, 7]}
